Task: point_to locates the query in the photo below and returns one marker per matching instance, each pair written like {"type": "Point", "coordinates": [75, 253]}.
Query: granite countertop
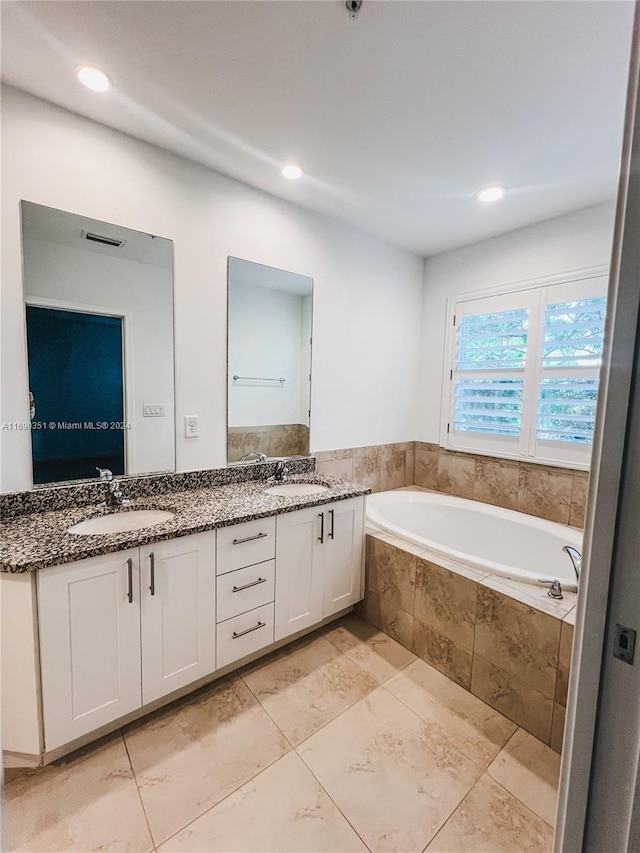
{"type": "Point", "coordinates": [38, 540]}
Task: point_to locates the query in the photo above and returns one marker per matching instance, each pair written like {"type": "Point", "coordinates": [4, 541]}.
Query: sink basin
{"type": "Point", "coordinates": [120, 522]}
{"type": "Point", "coordinates": [296, 490]}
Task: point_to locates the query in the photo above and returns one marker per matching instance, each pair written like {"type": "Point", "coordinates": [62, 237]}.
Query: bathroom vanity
{"type": "Point", "coordinates": [104, 628]}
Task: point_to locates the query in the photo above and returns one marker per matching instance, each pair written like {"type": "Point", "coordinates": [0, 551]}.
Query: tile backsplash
{"type": "Point", "coordinates": [558, 494]}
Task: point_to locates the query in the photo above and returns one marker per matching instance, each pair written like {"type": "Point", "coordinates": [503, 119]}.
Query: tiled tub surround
{"type": "Point", "coordinates": [506, 642]}
{"type": "Point", "coordinates": [380, 466]}
{"type": "Point", "coordinates": [558, 494]}
{"type": "Point", "coordinates": [274, 440]}
{"type": "Point", "coordinates": [40, 539]}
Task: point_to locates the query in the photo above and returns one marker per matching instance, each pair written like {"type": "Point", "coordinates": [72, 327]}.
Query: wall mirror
{"type": "Point", "coordinates": [99, 320]}
{"type": "Point", "coordinates": [269, 361]}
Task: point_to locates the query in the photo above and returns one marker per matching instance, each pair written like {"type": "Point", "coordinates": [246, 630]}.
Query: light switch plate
{"type": "Point", "coordinates": [191, 429]}
{"type": "Point", "coordinates": [154, 410]}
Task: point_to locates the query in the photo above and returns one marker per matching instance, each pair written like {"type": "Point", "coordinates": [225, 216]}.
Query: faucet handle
{"type": "Point", "coordinates": [105, 474]}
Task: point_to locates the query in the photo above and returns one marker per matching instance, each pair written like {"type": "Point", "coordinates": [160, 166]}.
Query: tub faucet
{"type": "Point", "coordinates": [576, 559]}
{"type": "Point", "coordinates": [115, 498]}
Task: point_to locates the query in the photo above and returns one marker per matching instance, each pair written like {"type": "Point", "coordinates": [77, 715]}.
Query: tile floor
{"type": "Point", "coordinates": [344, 741]}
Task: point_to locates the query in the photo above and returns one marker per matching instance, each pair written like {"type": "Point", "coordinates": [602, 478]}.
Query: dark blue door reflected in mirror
{"type": "Point", "coordinates": [77, 382]}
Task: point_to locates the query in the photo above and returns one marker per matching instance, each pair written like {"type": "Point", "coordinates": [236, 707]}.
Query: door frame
{"type": "Point", "coordinates": [128, 378]}
{"type": "Point", "coordinates": [599, 797]}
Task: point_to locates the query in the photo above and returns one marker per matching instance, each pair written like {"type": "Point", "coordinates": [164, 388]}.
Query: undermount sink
{"type": "Point", "coordinates": [296, 490]}
{"type": "Point", "coordinates": [120, 522]}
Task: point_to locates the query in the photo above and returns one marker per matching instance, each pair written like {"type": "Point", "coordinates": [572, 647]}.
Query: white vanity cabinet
{"type": "Point", "coordinates": [89, 644]}
{"type": "Point", "coordinates": [121, 630]}
{"type": "Point", "coordinates": [341, 555]}
{"type": "Point", "coordinates": [177, 598]}
{"type": "Point", "coordinates": [318, 563]}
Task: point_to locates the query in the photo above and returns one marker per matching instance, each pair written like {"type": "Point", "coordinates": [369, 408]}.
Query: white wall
{"type": "Point", "coordinates": [265, 339]}
{"type": "Point", "coordinates": [566, 243]}
{"type": "Point", "coordinates": [143, 293]}
{"type": "Point", "coordinates": [367, 294]}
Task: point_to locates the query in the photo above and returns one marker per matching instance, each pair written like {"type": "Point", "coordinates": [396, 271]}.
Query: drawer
{"type": "Point", "coordinates": [245, 544]}
{"type": "Point", "coordinates": [244, 634]}
{"type": "Point", "coordinates": [245, 589]}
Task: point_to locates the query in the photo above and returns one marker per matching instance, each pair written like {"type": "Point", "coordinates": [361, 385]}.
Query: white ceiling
{"type": "Point", "coordinates": [396, 117]}
{"type": "Point", "coordinates": [258, 275]}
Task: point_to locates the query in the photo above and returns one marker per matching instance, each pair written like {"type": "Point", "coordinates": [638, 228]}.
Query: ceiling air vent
{"type": "Point", "coordinates": [106, 241]}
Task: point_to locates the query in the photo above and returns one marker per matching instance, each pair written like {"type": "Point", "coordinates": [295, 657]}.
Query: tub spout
{"type": "Point", "coordinates": [576, 559]}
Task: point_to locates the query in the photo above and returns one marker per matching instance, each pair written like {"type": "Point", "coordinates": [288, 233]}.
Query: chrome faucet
{"type": "Point", "coordinates": [576, 559]}
{"type": "Point", "coordinates": [115, 498]}
{"type": "Point", "coordinates": [281, 474]}
{"type": "Point", "coordinates": [254, 456]}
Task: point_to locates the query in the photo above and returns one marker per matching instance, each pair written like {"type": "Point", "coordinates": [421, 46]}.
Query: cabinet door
{"type": "Point", "coordinates": [89, 616]}
{"type": "Point", "coordinates": [341, 555]}
{"type": "Point", "coordinates": [178, 595]}
{"type": "Point", "coordinates": [298, 579]}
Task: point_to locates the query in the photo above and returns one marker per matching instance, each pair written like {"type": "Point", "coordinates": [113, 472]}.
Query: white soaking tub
{"type": "Point", "coordinates": [479, 536]}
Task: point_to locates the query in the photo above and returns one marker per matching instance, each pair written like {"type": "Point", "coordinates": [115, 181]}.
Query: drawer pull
{"type": "Point", "coordinates": [333, 523]}
{"type": "Point", "coordinates": [250, 538]}
{"type": "Point", "coordinates": [130, 579]}
{"type": "Point", "coordinates": [247, 585]}
{"type": "Point", "coordinates": [236, 634]}
{"type": "Point", "coordinates": [321, 537]}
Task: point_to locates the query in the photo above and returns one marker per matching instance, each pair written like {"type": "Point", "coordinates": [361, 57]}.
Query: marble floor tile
{"type": "Point", "coordinates": [187, 757]}
{"type": "Point", "coordinates": [491, 820]}
{"type": "Point", "coordinates": [529, 770]}
{"type": "Point", "coordinates": [282, 810]}
{"type": "Point", "coordinates": [85, 802]}
{"type": "Point", "coordinates": [373, 650]}
{"type": "Point", "coordinates": [390, 774]}
{"type": "Point", "coordinates": [308, 686]}
{"type": "Point", "coordinates": [473, 726]}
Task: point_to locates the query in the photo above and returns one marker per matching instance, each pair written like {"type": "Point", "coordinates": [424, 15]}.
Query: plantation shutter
{"type": "Point", "coordinates": [490, 365]}
{"type": "Point", "coordinates": [569, 367]}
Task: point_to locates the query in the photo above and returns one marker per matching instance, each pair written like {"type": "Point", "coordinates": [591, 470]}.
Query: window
{"type": "Point", "coordinates": [523, 377]}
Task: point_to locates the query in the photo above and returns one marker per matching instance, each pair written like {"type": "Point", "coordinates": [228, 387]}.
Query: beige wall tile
{"type": "Point", "coordinates": [564, 663]}
{"type": "Point", "coordinates": [456, 474]}
{"type": "Point", "coordinates": [327, 455]}
{"type": "Point", "coordinates": [496, 482]}
{"type": "Point", "coordinates": [518, 639]}
{"type": "Point", "coordinates": [579, 499]}
{"type": "Point", "coordinates": [513, 697]}
{"type": "Point", "coordinates": [444, 654]}
{"type": "Point", "coordinates": [545, 492]}
{"type": "Point", "coordinates": [410, 463]}
{"type": "Point", "coordinates": [529, 770]}
{"type": "Point", "coordinates": [426, 466]}
{"type": "Point", "coordinates": [391, 574]}
{"type": "Point", "coordinates": [393, 466]}
{"type": "Point", "coordinates": [446, 602]}
{"type": "Point", "coordinates": [557, 727]}
{"type": "Point", "coordinates": [367, 467]}
{"type": "Point", "coordinates": [491, 820]}
{"type": "Point", "coordinates": [341, 468]}
{"type": "Point", "coordinates": [398, 624]}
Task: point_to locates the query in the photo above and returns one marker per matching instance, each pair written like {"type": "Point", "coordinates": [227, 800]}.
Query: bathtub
{"type": "Point", "coordinates": [478, 536]}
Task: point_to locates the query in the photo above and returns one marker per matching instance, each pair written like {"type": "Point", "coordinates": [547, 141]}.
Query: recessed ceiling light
{"type": "Point", "coordinates": [490, 193]}
{"type": "Point", "coordinates": [93, 78]}
{"type": "Point", "coordinates": [292, 172]}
